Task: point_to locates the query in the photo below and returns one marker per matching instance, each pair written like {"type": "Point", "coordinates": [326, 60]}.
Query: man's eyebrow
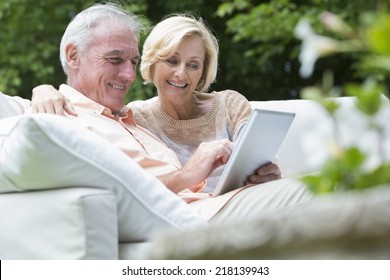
{"type": "Point", "coordinates": [119, 53]}
{"type": "Point", "coordinates": [114, 52]}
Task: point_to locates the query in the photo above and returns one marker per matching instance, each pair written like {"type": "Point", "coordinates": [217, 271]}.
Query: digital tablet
{"type": "Point", "coordinates": [258, 145]}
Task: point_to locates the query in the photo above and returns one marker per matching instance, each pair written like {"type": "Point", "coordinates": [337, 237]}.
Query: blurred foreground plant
{"type": "Point", "coordinates": [346, 168]}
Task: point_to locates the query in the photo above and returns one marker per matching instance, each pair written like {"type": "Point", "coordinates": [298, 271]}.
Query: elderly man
{"type": "Point", "coordinates": [99, 53]}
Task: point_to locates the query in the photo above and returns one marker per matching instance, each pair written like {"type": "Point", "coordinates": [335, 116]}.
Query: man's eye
{"type": "Point", "coordinates": [115, 60]}
{"type": "Point", "coordinates": [134, 62]}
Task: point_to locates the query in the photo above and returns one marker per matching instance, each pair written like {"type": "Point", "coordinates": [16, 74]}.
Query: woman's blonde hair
{"type": "Point", "coordinates": [165, 38]}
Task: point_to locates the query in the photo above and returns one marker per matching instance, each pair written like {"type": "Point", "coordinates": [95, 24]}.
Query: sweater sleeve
{"type": "Point", "coordinates": [238, 110]}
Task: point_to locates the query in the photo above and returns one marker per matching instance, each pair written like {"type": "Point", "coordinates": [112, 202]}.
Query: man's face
{"type": "Point", "coordinates": [108, 68]}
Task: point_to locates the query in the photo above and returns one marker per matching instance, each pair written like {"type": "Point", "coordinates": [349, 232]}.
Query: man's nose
{"type": "Point", "coordinates": [128, 71]}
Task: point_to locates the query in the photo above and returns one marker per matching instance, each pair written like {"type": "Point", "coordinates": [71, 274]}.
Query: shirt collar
{"type": "Point", "coordinates": [81, 101]}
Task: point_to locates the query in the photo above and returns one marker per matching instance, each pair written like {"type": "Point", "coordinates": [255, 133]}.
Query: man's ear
{"type": "Point", "coordinates": [72, 56]}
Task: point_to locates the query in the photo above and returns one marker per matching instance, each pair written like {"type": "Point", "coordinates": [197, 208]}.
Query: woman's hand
{"type": "Point", "coordinates": [208, 157]}
{"type": "Point", "coordinates": [265, 173]}
{"type": "Point", "coordinates": [46, 99]}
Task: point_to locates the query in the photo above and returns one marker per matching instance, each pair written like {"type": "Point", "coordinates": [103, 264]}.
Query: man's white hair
{"type": "Point", "coordinates": [79, 29]}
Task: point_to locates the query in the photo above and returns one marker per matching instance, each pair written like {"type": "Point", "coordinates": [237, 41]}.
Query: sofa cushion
{"type": "Point", "coordinates": [45, 151]}
{"type": "Point", "coordinates": [309, 140]}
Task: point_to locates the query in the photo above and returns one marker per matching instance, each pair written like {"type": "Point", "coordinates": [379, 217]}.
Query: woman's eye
{"type": "Point", "coordinates": [172, 61]}
{"type": "Point", "coordinates": [193, 66]}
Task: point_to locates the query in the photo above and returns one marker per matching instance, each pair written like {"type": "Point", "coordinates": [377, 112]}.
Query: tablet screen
{"type": "Point", "coordinates": [257, 145]}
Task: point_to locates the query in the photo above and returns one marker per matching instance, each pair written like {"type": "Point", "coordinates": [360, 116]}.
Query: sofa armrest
{"type": "Point", "coordinates": [308, 114]}
{"type": "Point", "coordinates": [70, 223]}
{"type": "Point", "coordinates": [307, 144]}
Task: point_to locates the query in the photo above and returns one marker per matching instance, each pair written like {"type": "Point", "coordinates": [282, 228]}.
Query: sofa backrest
{"type": "Point", "coordinates": [310, 138]}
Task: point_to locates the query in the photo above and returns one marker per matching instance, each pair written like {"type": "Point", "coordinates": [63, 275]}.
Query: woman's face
{"type": "Point", "coordinates": [177, 77]}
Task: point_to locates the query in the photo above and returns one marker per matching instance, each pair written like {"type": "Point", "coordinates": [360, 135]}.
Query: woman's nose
{"type": "Point", "coordinates": [180, 70]}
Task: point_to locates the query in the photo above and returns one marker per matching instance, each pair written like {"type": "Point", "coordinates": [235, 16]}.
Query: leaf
{"type": "Point", "coordinates": [318, 184]}
{"type": "Point", "coordinates": [378, 37]}
{"type": "Point", "coordinates": [378, 176]}
{"type": "Point", "coordinates": [353, 158]}
{"type": "Point", "coordinates": [225, 9]}
{"type": "Point", "coordinates": [312, 93]}
{"type": "Point", "coordinates": [368, 95]}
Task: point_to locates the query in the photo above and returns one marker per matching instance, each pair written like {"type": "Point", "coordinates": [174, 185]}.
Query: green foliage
{"type": "Point", "coordinates": [341, 172]}
{"type": "Point", "coordinates": [346, 167]}
{"type": "Point", "coordinates": [378, 35]}
{"type": "Point", "coordinates": [263, 30]}
{"type": "Point", "coordinates": [368, 95]}
{"type": "Point", "coordinates": [258, 54]}
{"type": "Point", "coordinates": [339, 175]}
{"type": "Point", "coordinates": [30, 35]}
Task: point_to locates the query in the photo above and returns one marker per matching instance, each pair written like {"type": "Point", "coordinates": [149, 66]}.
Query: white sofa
{"type": "Point", "coordinates": [349, 225]}
{"type": "Point", "coordinates": [87, 216]}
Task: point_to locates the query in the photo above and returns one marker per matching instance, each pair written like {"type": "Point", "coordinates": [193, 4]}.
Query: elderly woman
{"type": "Point", "coordinates": [180, 58]}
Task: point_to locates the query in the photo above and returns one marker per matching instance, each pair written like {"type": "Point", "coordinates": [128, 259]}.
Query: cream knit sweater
{"type": "Point", "coordinates": [225, 120]}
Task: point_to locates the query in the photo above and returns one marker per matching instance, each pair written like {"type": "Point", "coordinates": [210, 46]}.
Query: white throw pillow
{"type": "Point", "coordinates": [46, 152]}
{"type": "Point", "coordinates": [12, 105]}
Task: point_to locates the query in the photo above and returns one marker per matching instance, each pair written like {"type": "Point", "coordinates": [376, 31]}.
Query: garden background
{"type": "Point", "coordinates": [258, 50]}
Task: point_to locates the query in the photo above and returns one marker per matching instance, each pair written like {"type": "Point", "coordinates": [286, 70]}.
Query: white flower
{"type": "Point", "coordinates": [314, 46]}
{"type": "Point", "coordinates": [334, 23]}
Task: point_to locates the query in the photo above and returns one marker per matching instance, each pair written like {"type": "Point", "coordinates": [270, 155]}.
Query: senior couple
{"type": "Point", "coordinates": [184, 136]}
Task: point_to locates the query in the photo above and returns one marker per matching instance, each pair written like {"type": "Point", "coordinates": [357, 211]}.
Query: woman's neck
{"type": "Point", "coordinates": [194, 108]}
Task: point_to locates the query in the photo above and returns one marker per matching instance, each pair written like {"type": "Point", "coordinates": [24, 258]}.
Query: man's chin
{"type": "Point", "coordinates": [115, 106]}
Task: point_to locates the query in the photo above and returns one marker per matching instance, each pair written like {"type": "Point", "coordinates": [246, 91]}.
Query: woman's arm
{"type": "Point", "coordinates": [47, 99]}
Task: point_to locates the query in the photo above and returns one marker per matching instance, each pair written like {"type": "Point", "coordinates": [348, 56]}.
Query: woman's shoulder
{"type": "Point", "coordinates": [143, 111]}
{"type": "Point", "coordinates": [232, 99]}
{"type": "Point", "coordinates": [142, 104]}
{"type": "Point", "coordinates": [230, 95]}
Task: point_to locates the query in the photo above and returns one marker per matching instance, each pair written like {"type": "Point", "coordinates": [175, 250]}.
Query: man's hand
{"type": "Point", "coordinates": [46, 99]}
{"type": "Point", "coordinates": [208, 157]}
{"type": "Point", "coordinates": [265, 173]}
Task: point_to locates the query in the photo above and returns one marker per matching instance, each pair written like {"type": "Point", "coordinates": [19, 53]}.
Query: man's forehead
{"type": "Point", "coordinates": [115, 41]}
{"type": "Point", "coordinates": [110, 32]}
